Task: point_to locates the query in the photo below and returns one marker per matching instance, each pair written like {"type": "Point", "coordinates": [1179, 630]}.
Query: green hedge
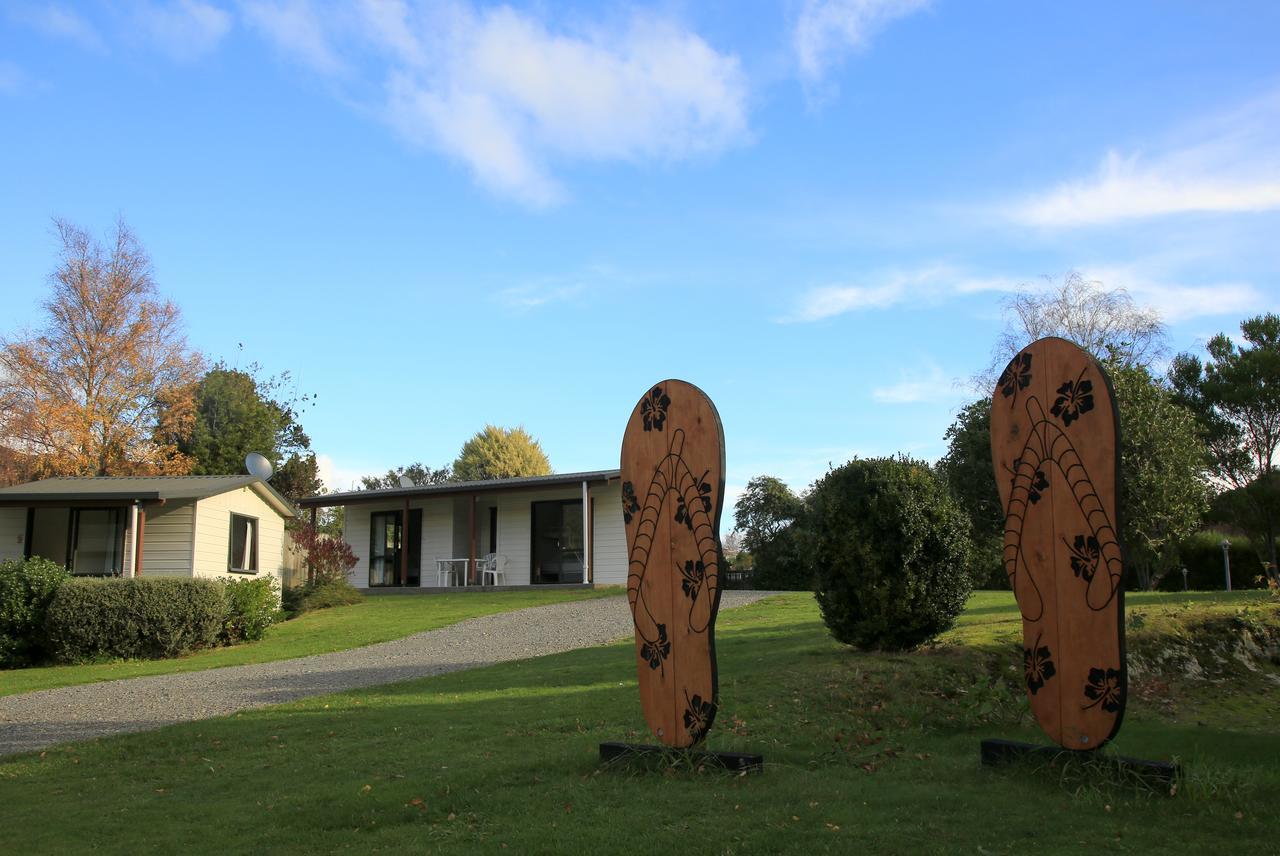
{"type": "Point", "coordinates": [26, 589]}
{"type": "Point", "coordinates": [1202, 556]}
{"type": "Point", "coordinates": [92, 619]}
{"type": "Point", "coordinates": [320, 594]}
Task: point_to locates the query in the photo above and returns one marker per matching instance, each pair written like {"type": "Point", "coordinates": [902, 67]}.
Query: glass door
{"type": "Point", "coordinates": [557, 541]}
{"type": "Point", "coordinates": [386, 537]}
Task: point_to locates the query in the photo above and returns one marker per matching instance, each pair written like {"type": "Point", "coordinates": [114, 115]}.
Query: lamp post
{"type": "Point", "coordinates": [1184, 577]}
{"type": "Point", "coordinates": [1226, 561]}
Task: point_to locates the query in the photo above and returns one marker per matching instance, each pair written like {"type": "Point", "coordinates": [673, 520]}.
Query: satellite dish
{"type": "Point", "coordinates": [258, 466]}
{"type": "Point", "coordinates": [405, 481]}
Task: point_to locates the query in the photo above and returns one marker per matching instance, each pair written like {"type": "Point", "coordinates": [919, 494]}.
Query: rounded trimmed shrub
{"type": "Point", "coordinates": [252, 607]}
{"type": "Point", "coordinates": [26, 589]}
{"type": "Point", "coordinates": [890, 550]}
{"type": "Point", "coordinates": [149, 618]}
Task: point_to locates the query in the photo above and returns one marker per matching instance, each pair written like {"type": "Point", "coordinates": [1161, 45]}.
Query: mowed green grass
{"type": "Point", "coordinates": [381, 618]}
{"type": "Point", "coordinates": [866, 753]}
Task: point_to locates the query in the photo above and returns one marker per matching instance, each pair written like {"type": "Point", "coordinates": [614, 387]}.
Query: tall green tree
{"type": "Point", "coordinates": [1164, 488]}
{"type": "Point", "coordinates": [417, 472]}
{"type": "Point", "coordinates": [500, 453]}
{"type": "Point", "coordinates": [1236, 395]}
{"type": "Point", "coordinates": [769, 518]}
{"type": "Point", "coordinates": [966, 468]}
{"type": "Point", "coordinates": [238, 412]}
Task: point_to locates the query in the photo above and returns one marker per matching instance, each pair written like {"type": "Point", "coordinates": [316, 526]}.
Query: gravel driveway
{"type": "Point", "coordinates": [41, 719]}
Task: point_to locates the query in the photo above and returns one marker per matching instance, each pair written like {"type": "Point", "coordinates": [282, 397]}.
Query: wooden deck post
{"type": "Point", "coordinates": [311, 571]}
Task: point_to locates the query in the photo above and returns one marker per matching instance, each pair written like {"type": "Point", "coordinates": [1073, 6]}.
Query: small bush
{"type": "Point", "coordinates": [26, 588]}
{"type": "Point", "coordinates": [890, 548]}
{"type": "Point", "coordinates": [92, 619]}
{"type": "Point", "coordinates": [320, 595]}
{"type": "Point", "coordinates": [252, 607]}
{"type": "Point", "coordinates": [328, 559]}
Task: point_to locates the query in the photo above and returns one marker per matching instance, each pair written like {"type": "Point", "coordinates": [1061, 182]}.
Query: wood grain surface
{"type": "Point", "coordinates": [1054, 446]}
{"type": "Point", "coordinates": [672, 493]}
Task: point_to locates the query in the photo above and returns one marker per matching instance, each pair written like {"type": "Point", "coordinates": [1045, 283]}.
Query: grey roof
{"type": "Point", "coordinates": [140, 488]}
{"type": "Point", "coordinates": [484, 486]}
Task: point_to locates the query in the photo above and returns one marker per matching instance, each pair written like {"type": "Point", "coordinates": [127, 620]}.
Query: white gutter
{"type": "Point", "coordinates": [586, 533]}
{"type": "Point", "coordinates": [131, 552]}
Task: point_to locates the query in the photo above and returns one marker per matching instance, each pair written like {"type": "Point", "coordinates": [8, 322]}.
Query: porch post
{"type": "Point", "coordinates": [472, 515]}
{"type": "Point", "coordinates": [133, 539]}
{"type": "Point", "coordinates": [586, 533]}
{"type": "Point", "coordinates": [404, 544]}
{"type": "Point", "coordinates": [142, 531]}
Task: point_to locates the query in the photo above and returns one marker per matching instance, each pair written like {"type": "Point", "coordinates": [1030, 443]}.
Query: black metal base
{"type": "Point", "coordinates": [998, 752]}
{"type": "Point", "coordinates": [736, 762]}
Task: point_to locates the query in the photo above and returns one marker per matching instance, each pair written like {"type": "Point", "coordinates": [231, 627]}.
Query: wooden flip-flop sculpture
{"type": "Point", "coordinates": [1055, 448]}
{"type": "Point", "coordinates": [672, 493]}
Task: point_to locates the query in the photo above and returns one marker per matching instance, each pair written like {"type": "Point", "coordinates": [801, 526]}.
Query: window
{"type": "Point", "coordinates": [243, 555]}
{"type": "Point", "coordinates": [96, 542]}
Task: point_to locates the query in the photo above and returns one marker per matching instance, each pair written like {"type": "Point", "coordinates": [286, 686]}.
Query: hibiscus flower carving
{"type": "Point", "coordinates": [684, 514]}
{"type": "Point", "coordinates": [1104, 688]}
{"type": "Point", "coordinates": [655, 651]}
{"type": "Point", "coordinates": [630, 504]}
{"type": "Point", "coordinates": [1084, 556]}
{"type": "Point", "coordinates": [1075, 398]}
{"type": "Point", "coordinates": [653, 410]}
{"type": "Point", "coordinates": [694, 574]}
{"type": "Point", "coordinates": [697, 716]}
{"type": "Point", "coordinates": [1016, 375]}
{"type": "Point", "coordinates": [1037, 663]}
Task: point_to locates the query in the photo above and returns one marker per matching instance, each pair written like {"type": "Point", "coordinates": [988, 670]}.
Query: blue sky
{"type": "Point", "coordinates": [438, 215]}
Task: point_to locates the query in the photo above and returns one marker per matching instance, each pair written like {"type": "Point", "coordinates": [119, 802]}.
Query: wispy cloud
{"type": "Point", "coordinates": [927, 384]}
{"type": "Point", "coordinates": [826, 31]}
{"type": "Point", "coordinates": [60, 22]}
{"type": "Point", "coordinates": [296, 28]}
{"type": "Point", "coordinates": [13, 80]}
{"type": "Point", "coordinates": [1150, 285]}
{"type": "Point", "coordinates": [888, 289]}
{"type": "Point", "coordinates": [509, 97]}
{"type": "Point", "coordinates": [1225, 164]}
{"type": "Point", "coordinates": [184, 29]}
{"type": "Point", "coordinates": [522, 298]}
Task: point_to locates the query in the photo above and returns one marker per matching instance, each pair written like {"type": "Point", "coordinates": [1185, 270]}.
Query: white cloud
{"type": "Point", "coordinates": [60, 22]}
{"type": "Point", "coordinates": [184, 29]}
{"type": "Point", "coordinates": [1180, 301]}
{"type": "Point", "coordinates": [928, 384]}
{"type": "Point", "coordinates": [498, 90]}
{"type": "Point", "coordinates": [826, 30]}
{"type": "Point", "coordinates": [1226, 164]}
{"type": "Point", "coordinates": [295, 26]}
{"type": "Point", "coordinates": [931, 284]}
{"type": "Point", "coordinates": [339, 478]}
{"type": "Point", "coordinates": [533, 295]}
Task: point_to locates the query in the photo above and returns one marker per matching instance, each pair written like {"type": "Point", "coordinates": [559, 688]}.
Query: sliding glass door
{"type": "Point", "coordinates": [386, 540]}
{"type": "Point", "coordinates": [97, 542]}
{"type": "Point", "coordinates": [557, 541]}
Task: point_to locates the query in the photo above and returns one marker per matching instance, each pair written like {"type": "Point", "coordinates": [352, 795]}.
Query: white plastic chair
{"type": "Point", "coordinates": [493, 565]}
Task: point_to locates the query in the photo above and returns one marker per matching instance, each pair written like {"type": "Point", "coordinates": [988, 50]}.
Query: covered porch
{"type": "Point", "coordinates": [489, 535]}
{"type": "Point", "coordinates": [91, 537]}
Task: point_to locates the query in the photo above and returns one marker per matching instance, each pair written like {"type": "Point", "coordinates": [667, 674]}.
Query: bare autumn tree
{"type": "Point", "coordinates": [1106, 322]}
{"type": "Point", "coordinates": [108, 377]}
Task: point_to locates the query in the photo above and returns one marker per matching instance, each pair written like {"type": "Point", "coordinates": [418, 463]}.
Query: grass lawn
{"type": "Point", "coordinates": [378, 619]}
{"type": "Point", "coordinates": [867, 753]}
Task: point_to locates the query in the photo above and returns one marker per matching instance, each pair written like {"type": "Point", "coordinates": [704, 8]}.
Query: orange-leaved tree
{"type": "Point", "coordinates": [107, 383]}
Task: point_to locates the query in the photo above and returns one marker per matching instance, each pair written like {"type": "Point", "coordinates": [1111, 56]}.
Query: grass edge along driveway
{"type": "Point", "coordinates": [381, 618]}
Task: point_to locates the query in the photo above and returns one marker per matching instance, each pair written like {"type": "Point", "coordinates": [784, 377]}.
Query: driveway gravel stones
{"type": "Point", "coordinates": [37, 720]}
